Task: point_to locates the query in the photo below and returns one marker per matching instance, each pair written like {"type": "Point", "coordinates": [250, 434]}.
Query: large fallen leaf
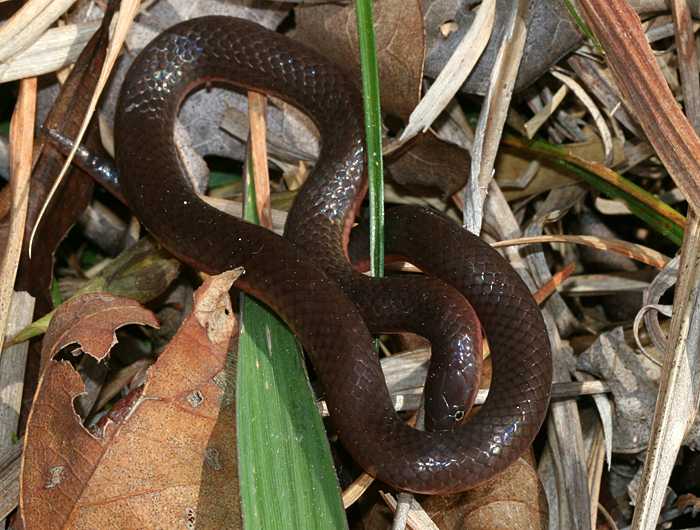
{"type": "Point", "coordinates": [514, 499]}
{"type": "Point", "coordinates": [164, 457]}
{"type": "Point", "coordinates": [398, 25]}
{"type": "Point", "coordinates": [551, 34]}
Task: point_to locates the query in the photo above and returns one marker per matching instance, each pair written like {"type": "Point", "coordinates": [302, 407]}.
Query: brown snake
{"type": "Point", "coordinates": [285, 274]}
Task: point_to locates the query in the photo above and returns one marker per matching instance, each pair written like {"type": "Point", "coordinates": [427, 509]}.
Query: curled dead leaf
{"type": "Point", "coordinates": [164, 456]}
{"type": "Point", "coordinates": [91, 320]}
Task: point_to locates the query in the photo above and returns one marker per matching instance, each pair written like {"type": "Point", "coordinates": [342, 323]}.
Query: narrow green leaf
{"type": "Point", "coordinates": [142, 272]}
{"type": "Point", "coordinates": [582, 26]}
{"type": "Point", "coordinates": [287, 479]}
{"type": "Point", "coordinates": [650, 209]}
{"type": "Point", "coordinates": [373, 132]}
{"type": "Point", "coordinates": [56, 298]}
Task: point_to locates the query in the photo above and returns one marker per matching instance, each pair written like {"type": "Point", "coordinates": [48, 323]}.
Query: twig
{"type": "Point", "coordinates": [21, 145]}
{"type": "Point", "coordinates": [257, 110]}
{"type": "Point", "coordinates": [548, 288]}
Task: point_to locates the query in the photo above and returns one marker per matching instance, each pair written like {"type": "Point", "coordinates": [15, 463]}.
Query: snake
{"type": "Point", "coordinates": [308, 280]}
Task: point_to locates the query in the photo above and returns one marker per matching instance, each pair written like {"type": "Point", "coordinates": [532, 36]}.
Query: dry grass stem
{"type": "Point", "coordinates": [595, 113]}
{"type": "Point", "coordinates": [21, 146]}
{"type": "Point", "coordinates": [533, 125]}
{"type": "Point", "coordinates": [55, 49]}
{"type": "Point", "coordinates": [258, 124]}
{"type": "Point", "coordinates": [457, 69]}
{"type": "Point", "coordinates": [355, 490]}
{"type": "Point", "coordinates": [493, 116]}
{"type": "Point", "coordinates": [415, 518]}
{"type": "Point", "coordinates": [10, 460]}
{"type": "Point", "coordinates": [631, 250]}
{"type": "Point", "coordinates": [28, 24]}
{"type": "Point", "coordinates": [557, 279]}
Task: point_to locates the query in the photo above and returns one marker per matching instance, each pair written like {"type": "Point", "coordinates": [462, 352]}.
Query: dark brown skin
{"type": "Point", "coordinates": [315, 304]}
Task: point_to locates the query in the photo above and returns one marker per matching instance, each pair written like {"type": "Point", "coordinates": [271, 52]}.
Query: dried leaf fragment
{"type": "Point", "coordinates": [514, 499]}
{"type": "Point", "coordinates": [398, 24]}
{"type": "Point", "coordinates": [90, 321]}
{"type": "Point", "coordinates": [165, 456]}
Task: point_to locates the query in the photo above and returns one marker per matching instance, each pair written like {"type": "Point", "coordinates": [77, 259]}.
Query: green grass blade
{"type": "Point", "coordinates": [650, 209]}
{"type": "Point", "coordinates": [373, 132]}
{"type": "Point", "coordinates": [582, 26]}
{"type": "Point", "coordinates": [287, 479]}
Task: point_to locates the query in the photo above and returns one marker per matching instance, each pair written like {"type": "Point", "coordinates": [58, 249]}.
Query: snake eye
{"type": "Point", "coordinates": [459, 415]}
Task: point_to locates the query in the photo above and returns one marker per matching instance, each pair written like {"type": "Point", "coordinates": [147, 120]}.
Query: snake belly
{"type": "Point", "coordinates": [285, 273]}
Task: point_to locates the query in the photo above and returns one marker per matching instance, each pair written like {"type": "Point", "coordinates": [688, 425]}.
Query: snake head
{"type": "Point", "coordinates": [448, 397]}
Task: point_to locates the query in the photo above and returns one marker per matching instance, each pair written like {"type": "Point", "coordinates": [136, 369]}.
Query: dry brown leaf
{"type": "Point", "coordinates": [90, 321]}
{"type": "Point", "coordinates": [398, 25]}
{"type": "Point", "coordinates": [165, 456]}
{"type": "Point", "coordinates": [514, 499]}
{"type": "Point", "coordinates": [431, 162]}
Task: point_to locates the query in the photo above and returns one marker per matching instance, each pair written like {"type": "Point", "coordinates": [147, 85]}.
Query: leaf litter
{"type": "Point", "coordinates": [577, 165]}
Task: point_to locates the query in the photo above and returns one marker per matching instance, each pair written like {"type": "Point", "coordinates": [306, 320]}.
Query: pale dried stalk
{"type": "Point", "coordinates": [493, 116]}
{"type": "Point", "coordinates": [587, 101]}
{"type": "Point", "coordinates": [679, 391]}
{"type": "Point", "coordinates": [455, 72]}
{"type": "Point", "coordinates": [355, 490]}
{"type": "Point", "coordinates": [601, 284]}
{"type": "Point", "coordinates": [403, 508]}
{"type": "Point", "coordinates": [631, 250]}
{"type": "Point", "coordinates": [678, 394]}
{"type": "Point", "coordinates": [646, 93]}
{"type": "Point", "coordinates": [28, 24]}
{"type": "Point", "coordinates": [257, 112]}
{"type": "Point", "coordinates": [9, 480]}
{"type": "Point", "coordinates": [540, 118]}
{"type": "Point", "coordinates": [416, 518]}
{"type": "Point", "coordinates": [21, 145]}
{"type": "Point", "coordinates": [13, 361]}
{"type": "Point", "coordinates": [595, 465]}
{"type": "Point", "coordinates": [55, 49]}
